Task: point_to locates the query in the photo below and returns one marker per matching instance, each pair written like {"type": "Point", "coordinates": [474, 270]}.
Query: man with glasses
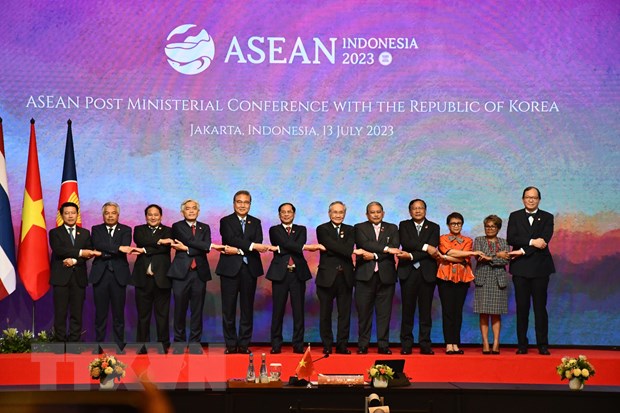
{"type": "Point", "coordinates": [417, 272]}
{"type": "Point", "coordinates": [239, 267]}
{"type": "Point", "coordinates": [529, 233]}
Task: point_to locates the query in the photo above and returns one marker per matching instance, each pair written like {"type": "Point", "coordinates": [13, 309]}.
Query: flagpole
{"type": "Point", "coordinates": [33, 332]}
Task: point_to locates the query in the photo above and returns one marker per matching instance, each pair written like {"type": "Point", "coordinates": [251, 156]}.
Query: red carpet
{"type": "Point", "coordinates": [214, 368]}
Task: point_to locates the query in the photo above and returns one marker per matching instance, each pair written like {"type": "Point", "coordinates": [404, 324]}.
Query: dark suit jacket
{"type": "Point", "coordinates": [158, 256]}
{"type": "Point", "coordinates": [412, 243]}
{"type": "Point", "coordinates": [232, 234]}
{"type": "Point", "coordinates": [290, 247]}
{"type": "Point", "coordinates": [199, 245]}
{"type": "Point", "coordinates": [366, 239]}
{"type": "Point", "coordinates": [338, 254]}
{"type": "Point", "coordinates": [60, 241]}
{"type": "Point", "coordinates": [535, 262]}
{"type": "Point", "coordinates": [110, 257]}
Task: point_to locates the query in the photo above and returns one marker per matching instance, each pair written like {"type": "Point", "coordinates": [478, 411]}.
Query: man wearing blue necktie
{"type": "Point", "coordinates": [417, 274]}
{"type": "Point", "coordinates": [239, 267]}
{"type": "Point", "coordinates": [71, 248]}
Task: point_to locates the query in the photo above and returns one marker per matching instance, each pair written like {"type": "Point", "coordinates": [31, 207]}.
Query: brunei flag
{"type": "Point", "coordinates": [7, 241]}
{"type": "Point", "coordinates": [69, 185]}
{"type": "Point", "coordinates": [33, 264]}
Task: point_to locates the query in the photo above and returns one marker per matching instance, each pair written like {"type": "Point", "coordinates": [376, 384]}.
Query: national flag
{"type": "Point", "coordinates": [33, 263]}
{"type": "Point", "coordinates": [7, 240]}
{"type": "Point", "coordinates": [305, 368]}
{"type": "Point", "coordinates": [69, 184]}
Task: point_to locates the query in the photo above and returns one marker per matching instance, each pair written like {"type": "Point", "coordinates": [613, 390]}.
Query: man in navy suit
{"type": "Point", "coordinates": [71, 248]}
{"type": "Point", "coordinates": [529, 233]}
{"type": "Point", "coordinates": [239, 267]}
{"type": "Point", "coordinates": [334, 278]}
{"type": "Point", "coordinates": [288, 273]}
{"type": "Point", "coordinates": [150, 277]}
{"type": "Point", "coordinates": [417, 272]}
{"type": "Point", "coordinates": [190, 272]}
{"type": "Point", "coordinates": [110, 274]}
{"type": "Point", "coordinates": [375, 276]}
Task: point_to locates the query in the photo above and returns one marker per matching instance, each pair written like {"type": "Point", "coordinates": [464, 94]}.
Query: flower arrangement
{"type": "Point", "coordinates": [12, 341]}
{"type": "Point", "coordinates": [575, 368]}
{"type": "Point", "coordinates": [381, 372]}
{"type": "Point", "coordinates": [106, 367]}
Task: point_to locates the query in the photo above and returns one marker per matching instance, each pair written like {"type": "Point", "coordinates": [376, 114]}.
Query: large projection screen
{"type": "Point", "coordinates": [460, 103]}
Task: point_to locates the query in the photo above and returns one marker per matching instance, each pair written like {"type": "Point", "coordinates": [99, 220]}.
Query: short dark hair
{"type": "Point", "coordinates": [455, 215]}
{"type": "Point", "coordinates": [530, 188]}
{"type": "Point", "coordinates": [146, 210]}
{"type": "Point", "coordinates": [413, 201]}
{"type": "Point", "coordinates": [242, 192]}
{"type": "Point", "coordinates": [68, 204]}
{"type": "Point", "coordinates": [287, 203]}
{"type": "Point", "coordinates": [497, 221]}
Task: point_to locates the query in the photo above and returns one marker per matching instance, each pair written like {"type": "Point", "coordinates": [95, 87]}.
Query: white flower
{"type": "Point", "coordinates": [568, 374]}
{"type": "Point", "coordinates": [577, 372]}
{"type": "Point", "coordinates": [108, 370]}
{"type": "Point", "coordinates": [582, 357]}
{"type": "Point", "coordinates": [585, 373]}
{"type": "Point", "coordinates": [373, 372]}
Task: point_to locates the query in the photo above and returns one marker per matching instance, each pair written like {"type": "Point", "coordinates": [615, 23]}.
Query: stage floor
{"type": "Point", "coordinates": [213, 368]}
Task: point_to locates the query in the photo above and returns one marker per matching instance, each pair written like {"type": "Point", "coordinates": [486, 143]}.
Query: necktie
{"type": "Point", "coordinates": [193, 264]}
{"type": "Point", "coordinates": [418, 228]}
{"type": "Point", "coordinates": [377, 229]}
{"type": "Point", "coordinates": [338, 230]}
{"type": "Point", "coordinates": [153, 229]}
{"type": "Point", "coordinates": [245, 259]}
{"type": "Point", "coordinates": [110, 231]}
{"type": "Point", "coordinates": [71, 235]}
{"type": "Point", "coordinates": [290, 259]}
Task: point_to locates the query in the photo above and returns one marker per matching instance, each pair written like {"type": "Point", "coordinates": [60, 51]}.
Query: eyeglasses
{"type": "Point", "coordinates": [455, 224]}
{"type": "Point", "coordinates": [490, 226]}
{"type": "Point", "coordinates": [242, 202]}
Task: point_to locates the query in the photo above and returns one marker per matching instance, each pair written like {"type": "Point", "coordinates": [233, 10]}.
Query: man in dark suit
{"type": "Point", "coordinates": [239, 267]}
{"type": "Point", "coordinates": [150, 277]}
{"type": "Point", "coordinates": [288, 273]}
{"type": "Point", "coordinates": [71, 248]}
{"type": "Point", "coordinates": [334, 279]}
{"type": "Point", "coordinates": [529, 233]}
{"type": "Point", "coordinates": [375, 276]}
{"type": "Point", "coordinates": [417, 272]}
{"type": "Point", "coordinates": [110, 274]}
{"type": "Point", "coordinates": [190, 272]}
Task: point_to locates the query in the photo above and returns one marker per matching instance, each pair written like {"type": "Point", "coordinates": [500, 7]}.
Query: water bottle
{"type": "Point", "coordinates": [263, 370]}
{"type": "Point", "coordinates": [251, 374]}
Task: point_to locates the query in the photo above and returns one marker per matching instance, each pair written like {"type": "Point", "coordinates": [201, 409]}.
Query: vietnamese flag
{"type": "Point", "coordinates": [33, 264]}
{"type": "Point", "coordinates": [305, 368]}
{"type": "Point", "coordinates": [69, 185]}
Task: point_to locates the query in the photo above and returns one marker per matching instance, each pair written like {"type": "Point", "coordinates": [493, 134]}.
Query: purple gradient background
{"type": "Point", "coordinates": [475, 163]}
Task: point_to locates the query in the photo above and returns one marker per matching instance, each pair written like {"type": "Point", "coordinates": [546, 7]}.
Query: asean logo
{"type": "Point", "coordinates": [189, 53]}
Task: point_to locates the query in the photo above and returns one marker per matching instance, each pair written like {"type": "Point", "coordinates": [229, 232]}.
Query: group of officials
{"type": "Point", "coordinates": [373, 276]}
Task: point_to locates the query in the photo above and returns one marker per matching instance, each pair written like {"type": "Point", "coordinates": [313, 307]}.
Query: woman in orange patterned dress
{"type": "Point", "coordinates": [453, 277]}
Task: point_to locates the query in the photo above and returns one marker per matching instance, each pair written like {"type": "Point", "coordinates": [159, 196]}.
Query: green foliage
{"type": "Point", "coordinates": [12, 341]}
